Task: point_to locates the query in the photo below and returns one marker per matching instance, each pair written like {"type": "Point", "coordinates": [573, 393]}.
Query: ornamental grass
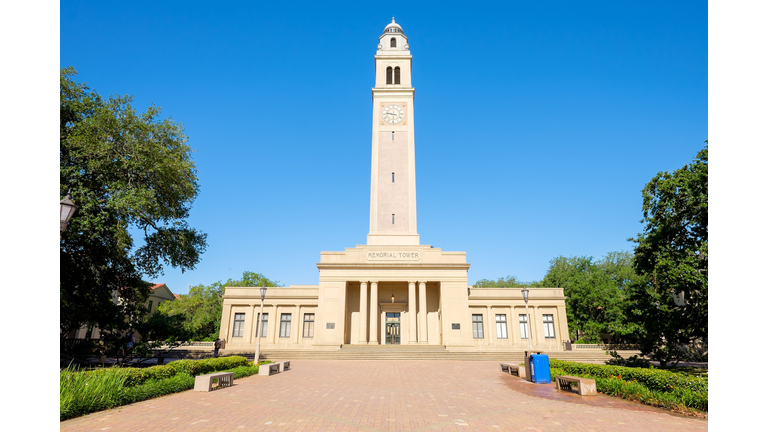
{"type": "Point", "coordinates": [83, 392]}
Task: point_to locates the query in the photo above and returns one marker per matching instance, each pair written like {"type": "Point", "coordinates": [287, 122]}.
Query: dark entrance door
{"type": "Point", "coordinates": [393, 328]}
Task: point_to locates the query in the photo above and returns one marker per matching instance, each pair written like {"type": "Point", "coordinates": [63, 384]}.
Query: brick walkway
{"type": "Point", "coordinates": [326, 395]}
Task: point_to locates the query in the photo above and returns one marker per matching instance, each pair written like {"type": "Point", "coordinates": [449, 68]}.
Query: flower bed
{"type": "Point", "coordinates": [650, 386]}
{"type": "Point", "coordinates": [85, 392]}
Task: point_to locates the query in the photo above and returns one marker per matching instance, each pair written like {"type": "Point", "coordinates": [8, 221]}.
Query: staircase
{"type": "Point", "coordinates": [419, 352]}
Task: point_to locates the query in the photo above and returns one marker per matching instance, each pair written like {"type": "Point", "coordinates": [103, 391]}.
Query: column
{"type": "Point", "coordinates": [491, 326]}
{"type": "Point", "coordinates": [272, 335]}
{"type": "Point", "coordinates": [225, 322]}
{"type": "Point", "coordinates": [363, 309]}
{"type": "Point", "coordinates": [412, 312]}
{"type": "Point", "coordinates": [296, 338]}
{"type": "Point", "coordinates": [254, 323]}
{"type": "Point", "coordinates": [422, 312]}
{"type": "Point", "coordinates": [374, 335]}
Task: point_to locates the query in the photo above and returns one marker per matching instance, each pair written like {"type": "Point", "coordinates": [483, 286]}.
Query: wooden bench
{"type": "Point", "coordinates": [513, 369]}
{"type": "Point", "coordinates": [205, 382]}
{"type": "Point", "coordinates": [583, 386]}
{"type": "Point", "coordinates": [285, 365]}
{"type": "Point", "coordinates": [269, 369]}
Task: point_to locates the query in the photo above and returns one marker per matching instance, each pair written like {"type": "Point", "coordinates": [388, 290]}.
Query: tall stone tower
{"type": "Point", "coordinates": [393, 165]}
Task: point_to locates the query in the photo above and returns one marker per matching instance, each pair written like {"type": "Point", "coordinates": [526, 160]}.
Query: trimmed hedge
{"type": "Point", "coordinates": [136, 376]}
{"type": "Point", "coordinates": [650, 386]}
{"type": "Point", "coordinates": [653, 379]}
{"type": "Point", "coordinates": [154, 388]}
{"type": "Point", "coordinates": [86, 392]}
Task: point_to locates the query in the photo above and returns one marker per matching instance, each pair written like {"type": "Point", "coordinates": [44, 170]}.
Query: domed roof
{"type": "Point", "coordinates": [391, 25]}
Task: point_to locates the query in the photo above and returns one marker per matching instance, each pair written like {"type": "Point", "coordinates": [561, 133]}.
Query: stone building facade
{"type": "Point", "coordinates": [394, 290]}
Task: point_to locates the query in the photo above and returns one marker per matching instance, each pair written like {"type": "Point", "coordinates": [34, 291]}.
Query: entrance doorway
{"type": "Point", "coordinates": [393, 328]}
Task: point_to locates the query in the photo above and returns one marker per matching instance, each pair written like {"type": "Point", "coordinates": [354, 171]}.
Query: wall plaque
{"type": "Point", "coordinates": [455, 326]}
{"type": "Point", "coordinates": [330, 326]}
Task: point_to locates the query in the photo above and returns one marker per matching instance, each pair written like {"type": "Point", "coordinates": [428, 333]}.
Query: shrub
{"type": "Point", "coordinates": [154, 388]}
{"type": "Point", "coordinates": [653, 379]}
{"type": "Point", "coordinates": [650, 386]}
{"type": "Point", "coordinates": [84, 392]}
{"type": "Point", "coordinates": [136, 376]}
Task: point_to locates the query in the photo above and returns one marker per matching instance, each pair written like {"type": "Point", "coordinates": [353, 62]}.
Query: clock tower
{"type": "Point", "coordinates": [393, 165]}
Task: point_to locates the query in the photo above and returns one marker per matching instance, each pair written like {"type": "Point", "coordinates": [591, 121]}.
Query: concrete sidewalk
{"type": "Point", "coordinates": [325, 395]}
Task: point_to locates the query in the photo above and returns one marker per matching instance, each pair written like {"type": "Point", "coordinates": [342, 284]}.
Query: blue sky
{"type": "Point", "coordinates": [536, 125]}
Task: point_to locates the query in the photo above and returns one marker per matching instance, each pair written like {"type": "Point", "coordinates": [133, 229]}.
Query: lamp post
{"type": "Point", "coordinates": [66, 210]}
{"type": "Point", "coordinates": [258, 327]}
{"type": "Point", "coordinates": [527, 317]}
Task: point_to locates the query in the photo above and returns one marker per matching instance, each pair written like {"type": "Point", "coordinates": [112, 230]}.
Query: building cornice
{"type": "Point", "coordinates": [393, 265]}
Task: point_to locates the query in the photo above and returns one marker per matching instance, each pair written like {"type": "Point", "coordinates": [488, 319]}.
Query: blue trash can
{"type": "Point", "coordinates": [539, 364]}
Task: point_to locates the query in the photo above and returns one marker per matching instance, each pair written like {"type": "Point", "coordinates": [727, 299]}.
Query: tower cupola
{"type": "Point", "coordinates": [393, 38]}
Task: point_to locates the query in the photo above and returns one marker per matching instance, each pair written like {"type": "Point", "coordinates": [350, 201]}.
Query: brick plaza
{"type": "Point", "coordinates": [331, 395]}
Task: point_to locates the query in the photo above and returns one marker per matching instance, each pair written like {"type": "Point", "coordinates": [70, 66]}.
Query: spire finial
{"type": "Point", "coordinates": [393, 19]}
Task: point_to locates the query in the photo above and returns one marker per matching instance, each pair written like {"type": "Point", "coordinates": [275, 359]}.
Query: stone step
{"type": "Point", "coordinates": [434, 354]}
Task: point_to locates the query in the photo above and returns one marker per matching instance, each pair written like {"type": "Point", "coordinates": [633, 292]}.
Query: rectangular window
{"type": "Point", "coordinates": [523, 327]}
{"type": "Point", "coordinates": [150, 306]}
{"type": "Point", "coordinates": [285, 325]}
{"type": "Point", "coordinates": [393, 218]}
{"type": "Point", "coordinates": [549, 327]}
{"type": "Point", "coordinates": [477, 326]}
{"type": "Point", "coordinates": [309, 325]}
{"type": "Point", "coordinates": [237, 329]}
{"type": "Point", "coordinates": [393, 177]}
{"type": "Point", "coordinates": [501, 326]}
{"type": "Point", "coordinates": [263, 324]}
{"type": "Point", "coordinates": [393, 135]}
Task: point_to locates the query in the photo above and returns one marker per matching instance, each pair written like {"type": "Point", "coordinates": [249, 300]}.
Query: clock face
{"type": "Point", "coordinates": [393, 114]}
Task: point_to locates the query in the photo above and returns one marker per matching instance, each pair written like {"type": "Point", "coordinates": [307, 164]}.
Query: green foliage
{"type": "Point", "coordinates": [508, 282]}
{"type": "Point", "coordinates": [136, 376]}
{"type": "Point", "coordinates": [156, 387]}
{"type": "Point", "coordinates": [653, 379]}
{"type": "Point", "coordinates": [595, 295]}
{"type": "Point", "coordinates": [674, 397]}
{"type": "Point", "coordinates": [127, 172]}
{"type": "Point", "coordinates": [81, 392]}
{"type": "Point", "coordinates": [199, 311]}
{"type": "Point", "coordinates": [84, 392]}
{"type": "Point", "coordinates": [672, 252]}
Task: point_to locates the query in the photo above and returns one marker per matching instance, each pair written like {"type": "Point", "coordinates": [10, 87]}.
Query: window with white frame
{"type": "Point", "coordinates": [285, 325]}
{"type": "Point", "coordinates": [477, 326]}
{"type": "Point", "coordinates": [523, 326]}
{"type": "Point", "coordinates": [501, 326]}
{"type": "Point", "coordinates": [237, 329]}
{"type": "Point", "coordinates": [549, 327]}
{"type": "Point", "coordinates": [263, 324]}
{"type": "Point", "coordinates": [309, 325]}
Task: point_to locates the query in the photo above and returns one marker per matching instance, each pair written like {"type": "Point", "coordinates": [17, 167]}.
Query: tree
{"type": "Point", "coordinates": [595, 294]}
{"type": "Point", "coordinates": [128, 173]}
{"type": "Point", "coordinates": [508, 282]}
{"type": "Point", "coordinates": [672, 251]}
{"type": "Point", "coordinates": [199, 311]}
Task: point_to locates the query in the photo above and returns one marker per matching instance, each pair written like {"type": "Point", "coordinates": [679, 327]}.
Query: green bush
{"type": "Point", "coordinates": [136, 376]}
{"type": "Point", "coordinates": [85, 392]}
{"type": "Point", "coordinates": [650, 386]}
{"type": "Point", "coordinates": [156, 387]}
{"type": "Point", "coordinates": [653, 379]}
